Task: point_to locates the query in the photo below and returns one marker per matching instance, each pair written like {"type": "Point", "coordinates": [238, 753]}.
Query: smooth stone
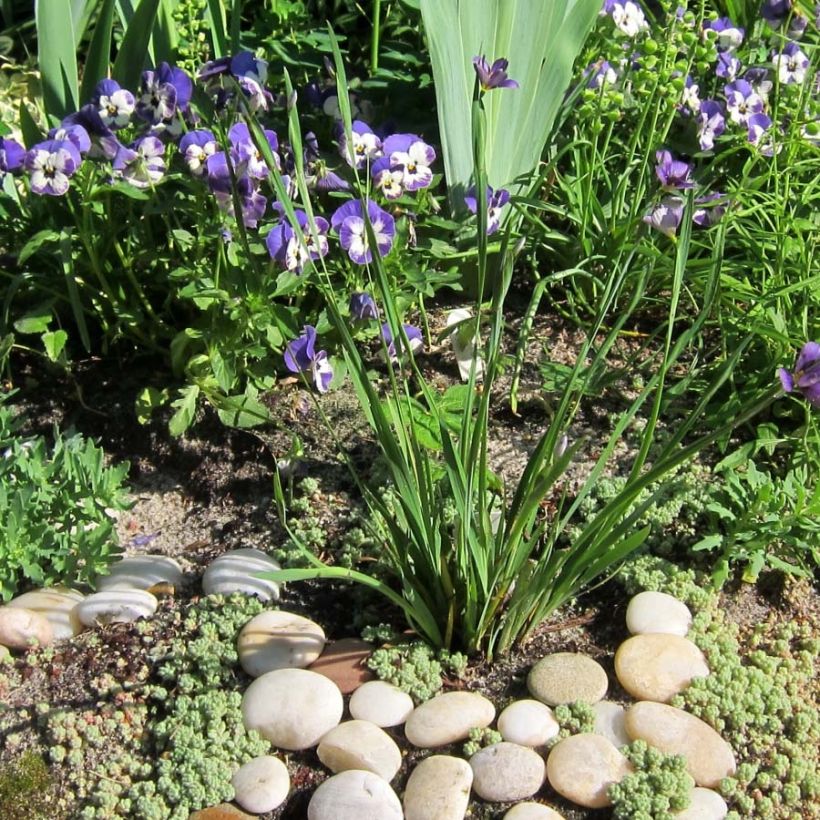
{"type": "Point", "coordinates": [567, 677]}
{"type": "Point", "coordinates": [359, 744]}
{"type": "Point", "coordinates": [354, 795]}
{"type": "Point", "coordinates": [658, 667]}
{"type": "Point", "coordinates": [224, 811]}
{"type": "Point", "coordinates": [704, 804]}
{"type": "Point", "coordinates": [344, 662]}
{"type": "Point", "coordinates": [261, 784]}
{"type": "Point", "coordinates": [652, 612]}
{"type": "Point", "coordinates": [709, 758]}
{"type": "Point", "coordinates": [609, 722]}
{"type": "Point", "coordinates": [142, 572]}
{"type": "Point", "coordinates": [532, 811]}
{"type": "Point", "coordinates": [22, 628]}
{"type": "Point", "coordinates": [292, 708]}
{"type": "Point", "coordinates": [507, 771]}
{"type": "Point", "coordinates": [448, 718]}
{"type": "Point", "coordinates": [438, 789]}
{"type": "Point", "coordinates": [57, 605]}
{"type": "Point", "coordinates": [583, 767]}
{"type": "Point", "coordinates": [235, 571]}
{"type": "Point", "coordinates": [381, 703]}
{"type": "Point", "coordinates": [279, 640]}
{"type": "Point", "coordinates": [528, 723]}
{"type": "Point", "coordinates": [116, 606]}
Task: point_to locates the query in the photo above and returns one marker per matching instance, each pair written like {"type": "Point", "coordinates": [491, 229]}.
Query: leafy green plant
{"type": "Point", "coordinates": [57, 507]}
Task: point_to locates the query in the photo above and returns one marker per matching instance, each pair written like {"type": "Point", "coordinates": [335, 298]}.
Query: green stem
{"type": "Point", "coordinates": [375, 35]}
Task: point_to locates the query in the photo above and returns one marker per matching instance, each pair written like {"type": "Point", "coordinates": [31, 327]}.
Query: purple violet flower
{"type": "Point", "coordinates": [709, 209]}
{"type": "Point", "coordinates": [496, 200]}
{"type": "Point", "coordinates": [414, 337]}
{"type": "Point", "coordinates": [806, 375]}
{"type": "Point", "coordinates": [165, 90]}
{"type": "Point", "coordinates": [253, 203]}
{"type": "Point", "coordinates": [196, 147]}
{"type": "Point", "coordinates": [294, 249]}
{"type": "Point", "coordinates": [727, 66]}
{"type": "Point", "coordinates": [388, 180]}
{"type": "Point", "coordinates": [12, 157]}
{"type": "Point", "coordinates": [142, 164]}
{"type": "Point", "coordinates": [104, 143]}
{"type": "Point", "coordinates": [690, 99]}
{"type": "Point", "coordinates": [363, 307]}
{"type": "Point", "coordinates": [492, 76]}
{"type": "Point", "coordinates": [51, 164]}
{"type": "Point", "coordinates": [75, 134]}
{"type": "Point", "coordinates": [726, 34]}
{"type": "Point", "coordinates": [774, 12]}
{"type": "Point", "coordinates": [365, 147]}
{"type": "Point", "coordinates": [247, 158]}
{"type": "Point", "coordinates": [791, 64]}
{"type": "Point", "coordinates": [674, 174]}
{"type": "Point", "coordinates": [413, 156]}
{"type": "Point", "coordinates": [628, 17]}
{"type": "Point", "coordinates": [114, 104]}
{"type": "Point", "coordinates": [301, 357]}
{"type": "Point", "coordinates": [348, 221]}
{"type": "Point", "coordinates": [711, 124]}
{"type": "Point", "coordinates": [666, 216]}
{"type": "Point", "coordinates": [741, 101]}
{"type": "Point", "coordinates": [757, 126]}
{"type": "Point", "coordinates": [758, 79]}
{"type": "Point", "coordinates": [599, 74]}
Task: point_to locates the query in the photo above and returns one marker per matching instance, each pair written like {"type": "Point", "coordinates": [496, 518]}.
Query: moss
{"type": "Point", "coordinates": [416, 668]}
{"type": "Point", "coordinates": [25, 788]}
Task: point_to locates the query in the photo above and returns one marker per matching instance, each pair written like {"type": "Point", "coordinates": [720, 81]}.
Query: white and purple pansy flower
{"type": "Point", "coordinates": [247, 158]}
{"type": "Point", "coordinates": [349, 222]}
{"type": "Point", "coordinates": [365, 145]}
{"type": "Point", "coordinates": [496, 200]}
{"type": "Point", "coordinates": [600, 74]}
{"type": "Point", "coordinates": [142, 164]}
{"type": "Point", "coordinates": [758, 79]}
{"type": "Point", "coordinates": [301, 356]}
{"type": "Point", "coordinates": [104, 142]}
{"type": "Point", "coordinates": [774, 12]}
{"type": "Point", "coordinates": [413, 156]}
{"type": "Point", "coordinates": [741, 101]}
{"type": "Point", "coordinates": [758, 125]}
{"type": "Point", "coordinates": [628, 17]}
{"type": "Point", "coordinates": [75, 134]}
{"type": "Point", "coordinates": [711, 124]}
{"type": "Point", "coordinates": [690, 98]}
{"type": "Point", "coordinates": [293, 249]}
{"type": "Point", "coordinates": [725, 33]}
{"type": "Point", "coordinates": [728, 66]}
{"type": "Point", "coordinates": [363, 307]}
{"type": "Point", "coordinates": [709, 209]}
{"type": "Point", "coordinates": [12, 157]}
{"type": "Point", "coordinates": [413, 335]}
{"type": "Point", "coordinates": [673, 174]}
{"type": "Point", "coordinates": [791, 64]}
{"type": "Point", "coordinates": [196, 147]}
{"type": "Point", "coordinates": [666, 216]}
{"type": "Point", "coordinates": [114, 104]}
{"type": "Point", "coordinates": [51, 164]}
{"type": "Point", "coordinates": [165, 90]}
{"type": "Point", "coordinates": [387, 179]}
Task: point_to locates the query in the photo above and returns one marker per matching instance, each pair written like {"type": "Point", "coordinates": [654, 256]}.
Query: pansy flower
{"type": "Point", "coordinates": [12, 157]}
{"type": "Point", "coordinates": [104, 142]}
{"type": "Point", "coordinates": [727, 66]}
{"type": "Point", "coordinates": [293, 249]}
{"type": "Point", "coordinates": [711, 124]}
{"type": "Point", "coordinates": [805, 378]}
{"type": "Point", "coordinates": [413, 334]}
{"type": "Point", "coordinates": [247, 158]}
{"type": "Point", "coordinates": [757, 126]}
{"type": "Point", "coordinates": [413, 156]}
{"type": "Point", "coordinates": [690, 98]}
{"type": "Point", "coordinates": [741, 101]}
{"type": "Point", "coordinates": [666, 216]}
{"type": "Point", "coordinates": [709, 209]}
{"type": "Point", "coordinates": [599, 74]}
{"type": "Point", "coordinates": [142, 164]}
{"type": "Point", "coordinates": [386, 178]}
{"type": "Point", "coordinates": [758, 79]}
{"type": "Point", "coordinates": [362, 307]}
{"type": "Point", "coordinates": [114, 104]}
{"type": "Point", "coordinates": [242, 64]}
{"type": "Point", "coordinates": [196, 147]}
{"type": "Point", "coordinates": [725, 33]}
{"type": "Point", "coordinates": [492, 76]}
{"type": "Point", "coordinates": [791, 64]}
{"type": "Point", "coordinates": [628, 17]}
{"type": "Point", "coordinates": [349, 222]}
{"type": "Point", "coordinates": [774, 12]}
{"type": "Point", "coordinates": [496, 200]}
{"type": "Point", "coordinates": [673, 174]}
{"type": "Point", "coordinates": [75, 134]}
{"type": "Point", "coordinates": [51, 164]}
{"type": "Point", "coordinates": [365, 145]}
{"type": "Point", "coordinates": [165, 90]}
{"type": "Point", "coordinates": [301, 356]}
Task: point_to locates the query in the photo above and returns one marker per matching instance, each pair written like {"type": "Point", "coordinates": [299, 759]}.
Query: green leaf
{"type": "Point", "coordinates": [99, 51]}
{"type": "Point", "coordinates": [134, 47]}
{"type": "Point", "coordinates": [36, 242]}
{"type": "Point", "coordinates": [56, 56]}
{"type": "Point", "coordinates": [243, 410]}
{"type": "Point", "coordinates": [73, 290]}
{"type": "Point", "coordinates": [148, 400]}
{"type": "Point", "coordinates": [28, 127]}
{"type": "Point", "coordinates": [36, 321]}
{"type": "Point", "coordinates": [186, 410]}
{"type": "Point", "coordinates": [54, 342]}
{"type": "Point", "coordinates": [216, 20]}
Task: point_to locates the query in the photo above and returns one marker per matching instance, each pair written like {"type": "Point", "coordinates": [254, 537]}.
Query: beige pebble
{"type": "Point", "coordinates": [532, 811]}
{"type": "Point", "coordinates": [650, 612]}
{"type": "Point", "coordinates": [506, 771]}
{"type": "Point", "coordinates": [438, 789]}
{"type": "Point", "coordinates": [448, 718]}
{"type": "Point", "coordinates": [261, 784]}
{"type": "Point", "coordinates": [21, 628]}
{"type": "Point", "coordinates": [566, 677]}
{"type": "Point", "coordinates": [354, 795]}
{"type": "Point", "coordinates": [381, 703]}
{"type": "Point", "coordinates": [704, 804]}
{"type": "Point", "coordinates": [528, 723]}
{"type": "Point", "coordinates": [279, 640]}
{"type": "Point", "coordinates": [359, 744]}
{"type": "Point", "coordinates": [57, 605]}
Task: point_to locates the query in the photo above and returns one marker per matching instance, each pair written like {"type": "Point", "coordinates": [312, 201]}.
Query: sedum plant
{"type": "Point", "coordinates": [58, 504]}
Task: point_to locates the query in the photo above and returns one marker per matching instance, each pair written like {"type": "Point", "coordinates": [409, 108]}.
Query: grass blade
{"type": "Point", "coordinates": [99, 51]}
{"type": "Point", "coordinates": [57, 57]}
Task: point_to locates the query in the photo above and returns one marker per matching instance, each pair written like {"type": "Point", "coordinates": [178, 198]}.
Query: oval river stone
{"type": "Point", "coordinates": [359, 744]}
{"type": "Point", "coordinates": [704, 804]}
{"type": "Point", "coordinates": [21, 628]}
{"type": "Point", "coordinates": [609, 722]}
{"type": "Point", "coordinates": [448, 718]}
{"type": "Point", "coordinates": [528, 723]}
{"type": "Point", "coordinates": [142, 572]}
{"type": "Point", "coordinates": [381, 703]}
{"type": "Point", "coordinates": [57, 605]}
{"type": "Point", "coordinates": [261, 784]}
{"type": "Point", "coordinates": [650, 612]}
{"type": "Point", "coordinates": [566, 677]}
{"type": "Point", "coordinates": [354, 795]}
{"type": "Point", "coordinates": [658, 667]}
{"type": "Point", "coordinates": [438, 787]}
{"type": "Point", "coordinates": [116, 606]}
{"type": "Point", "coordinates": [506, 771]}
{"type": "Point", "coordinates": [709, 758]}
{"type": "Point", "coordinates": [278, 640]}
{"type": "Point", "coordinates": [236, 571]}
{"type": "Point", "coordinates": [532, 811]}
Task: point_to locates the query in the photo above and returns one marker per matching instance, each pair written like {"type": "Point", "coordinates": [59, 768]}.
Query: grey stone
{"type": "Point", "coordinates": [566, 677]}
{"type": "Point", "coordinates": [237, 570]}
{"type": "Point", "coordinates": [116, 606]}
{"type": "Point", "coordinates": [609, 722]}
{"type": "Point", "coordinates": [142, 572]}
{"type": "Point", "coordinates": [507, 771]}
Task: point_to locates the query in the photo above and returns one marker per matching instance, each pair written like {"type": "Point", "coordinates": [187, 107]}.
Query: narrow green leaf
{"type": "Point", "coordinates": [216, 24]}
{"type": "Point", "coordinates": [73, 290]}
{"type": "Point", "coordinates": [29, 128]}
{"type": "Point", "coordinates": [56, 56]}
{"type": "Point", "coordinates": [99, 51]}
{"type": "Point", "coordinates": [131, 57]}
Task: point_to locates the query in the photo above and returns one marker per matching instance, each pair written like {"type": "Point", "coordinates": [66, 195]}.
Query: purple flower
{"type": "Point", "coordinates": [365, 145]}
{"type": "Point", "coordinates": [51, 164]}
{"type": "Point", "coordinates": [114, 104]}
{"type": "Point", "coordinates": [496, 200]}
{"type": "Point", "coordinates": [758, 79]}
{"type": "Point", "coordinates": [104, 142]}
{"type": "Point", "coordinates": [690, 99]}
{"type": "Point", "coordinates": [709, 209]}
{"type": "Point", "coordinates": [666, 216]}
{"type": "Point", "coordinates": [774, 12]}
{"type": "Point", "coordinates": [293, 249]}
{"type": "Point", "coordinates": [806, 375]}
{"type": "Point", "coordinates": [142, 164]}
{"type": "Point", "coordinates": [243, 64]}
{"type": "Point", "coordinates": [362, 307]}
{"type": "Point", "coordinates": [674, 174]}
{"type": "Point", "coordinates": [165, 90]}
{"type": "Point", "coordinates": [12, 157]}
{"type": "Point", "coordinates": [247, 158]}
{"type": "Point", "coordinates": [302, 357]}
{"type": "Point", "coordinates": [413, 156]}
{"type": "Point", "coordinates": [741, 101]}
{"type": "Point", "coordinates": [757, 125]}
{"type": "Point", "coordinates": [628, 17]}
{"type": "Point", "coordinates": [75, 134]}
{"type": "Point", "coordinates": [492, 76]}
{"type": "Point", "coordinates": [413, 336]}
{"type": "Point", "coordinates": [386, 178]}
{"type": "Point", "coordinates": [196, 147]}
{"type": "Point", "coordinates": [791, 64]}
{"type": "Point", "coordinates": [323, 179]}
{"type": "Point", "coordinates": [726, 34]}
{"type": "Point", "coordinates": [727, 65]}
{"type": "Point", "coordinates": [711, 124]}
{"type": "Point", "coordinates": [349, 221]}
{"type": "Point", "coordinates": [599, 74]}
